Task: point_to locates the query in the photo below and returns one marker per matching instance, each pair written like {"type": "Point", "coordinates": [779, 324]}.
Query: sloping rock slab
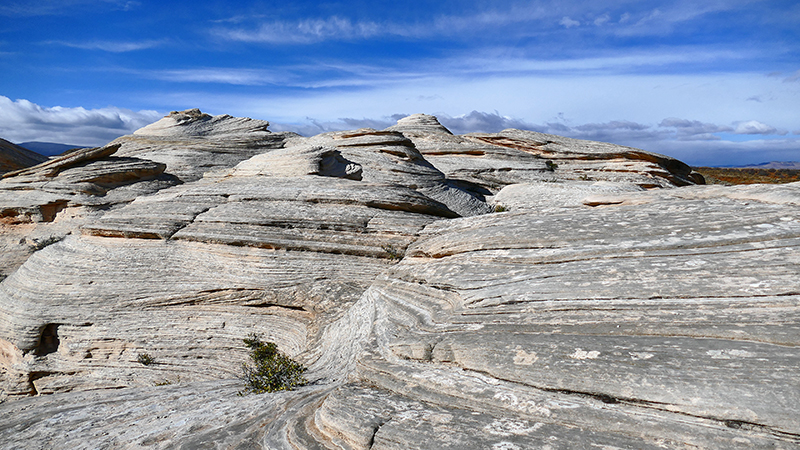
{"type": "Point", "coordinates": [687, 306]}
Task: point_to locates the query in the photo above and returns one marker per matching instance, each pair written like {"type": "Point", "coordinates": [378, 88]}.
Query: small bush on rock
{"type": "Point", "coordinates": [145, 359]}
{"type": "Point", "coordinates": [392, 252]}
{"type": "Point", "coordinates": [271, 370]}
{"type": "Point", "coordinates": [500, 208]}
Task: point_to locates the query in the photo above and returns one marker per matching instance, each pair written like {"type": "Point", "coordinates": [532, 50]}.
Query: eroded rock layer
{"type": "Point", "coordinates": [504, 291]}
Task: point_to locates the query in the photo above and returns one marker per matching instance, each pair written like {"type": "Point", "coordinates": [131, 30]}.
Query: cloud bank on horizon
{"type": "Point", "coordinates": [711, 83]}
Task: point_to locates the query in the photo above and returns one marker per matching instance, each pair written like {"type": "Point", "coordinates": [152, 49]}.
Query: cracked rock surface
{"type": "Point", "coordinates": [503, 291]}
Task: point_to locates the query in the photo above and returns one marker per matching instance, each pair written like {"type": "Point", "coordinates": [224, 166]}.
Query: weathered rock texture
{"type": "Point", "coordinates": [503, 291]}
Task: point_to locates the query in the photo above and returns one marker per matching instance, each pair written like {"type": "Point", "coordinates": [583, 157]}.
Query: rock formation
{"type": "Point", "coordinates": [503, 291]}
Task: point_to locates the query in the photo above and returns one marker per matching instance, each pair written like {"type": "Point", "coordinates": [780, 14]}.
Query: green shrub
{"type": "Point", "coordinates": [271, 370]}
{"type": "Point", "coordinates": [392, 252]}
{"type": "Point", "coordinates": [145, 359]}
{"type": "Point", "coordinates": [500, 208]}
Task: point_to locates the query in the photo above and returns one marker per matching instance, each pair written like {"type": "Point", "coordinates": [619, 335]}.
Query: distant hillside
{"type": "Point", "coordinates": [793, 165]}
{"type": "Point", "coordinates": [48, 148]}
{"type": "Point", "coordinates": [750, 175]}
{"type": "Point", "coordinates": [13, 157]}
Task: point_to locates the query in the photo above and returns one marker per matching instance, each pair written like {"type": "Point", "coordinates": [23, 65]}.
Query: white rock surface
{"type": "Point", "coordinates": [604, 308]}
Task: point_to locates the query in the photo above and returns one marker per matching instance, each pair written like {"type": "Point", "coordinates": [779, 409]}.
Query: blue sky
{"type": "Point", "coordinates": [713, 82]}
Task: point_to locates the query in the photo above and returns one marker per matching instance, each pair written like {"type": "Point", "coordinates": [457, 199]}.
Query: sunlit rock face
{"type": "Point", "coordinates": [504, 291]}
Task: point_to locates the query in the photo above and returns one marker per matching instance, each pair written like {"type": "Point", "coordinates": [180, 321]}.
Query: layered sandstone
{"type": "Point", "coordinates": [506, 291]}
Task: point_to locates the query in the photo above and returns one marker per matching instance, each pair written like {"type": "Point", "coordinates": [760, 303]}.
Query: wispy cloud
{"type": "Point", "coordinates": [271, 30]}
{"type": "Point", "coordinates": [320, 74]}
{"type": "Point", "coordinates": [22, 120]}
{"type": "Point", "coordinates": [234, 76]}
{"type": "Point", "coordinates": [303, 31]}
{"type": "Point", "coordinates": [667, 18]}
{"type": "Point", "coordinates": [111, 46]}
{"type": "Point", "coordinates": [793, 77]}
{"type": "Point", "coordinates": [26, 8]}
{"type": "Point", "coordinates": [536, 18]}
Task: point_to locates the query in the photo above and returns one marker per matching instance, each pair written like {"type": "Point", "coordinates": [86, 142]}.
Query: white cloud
{"type": "Point", "coordinates": [613, 125]}
{"type": "Point", "coordinates": [566, 22]}
{"type": "Point", "coordinates": [624, 132]}
{"type": "Point", "coordinates": [483, 122]}
{"type": "Point", "coordinates": [22, 121]}
{"type": "Point", "coordinates": [602, 20]}
{"type": "Point", "coordinates": [756, 127]}
{"type": "Point", "coordinates": [311, 126]}
{"type": "Point", "coordinates": [694, 129]}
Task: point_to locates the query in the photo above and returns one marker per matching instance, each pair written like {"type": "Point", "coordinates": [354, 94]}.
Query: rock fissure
{"type": "Point", "coordinates": [375, 431]}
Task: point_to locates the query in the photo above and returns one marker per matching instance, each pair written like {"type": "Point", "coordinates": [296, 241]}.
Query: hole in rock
{"type": "Point", "coordinates": [50, 210]}
{"type": "Point", "coordinates": [48, 342]}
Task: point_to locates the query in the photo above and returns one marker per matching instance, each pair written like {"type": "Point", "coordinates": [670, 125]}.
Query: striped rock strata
{"type": "Point", "coordinates": [605, 307]}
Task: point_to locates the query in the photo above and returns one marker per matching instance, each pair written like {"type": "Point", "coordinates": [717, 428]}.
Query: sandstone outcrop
{"type": "Point", "coordinates": [505, 291]}
{"type": "Point", "coordinates": [191, 143]}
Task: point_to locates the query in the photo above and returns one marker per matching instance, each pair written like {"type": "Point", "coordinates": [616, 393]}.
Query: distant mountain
{"type": "Point", "coordinates": [794, 165]}
{"type": "Point", "coordinates": [48, 148]}
{"type": "Point", "coordinates": [14, 157]}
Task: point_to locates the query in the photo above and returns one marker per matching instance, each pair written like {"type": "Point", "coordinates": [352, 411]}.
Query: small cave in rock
{"type": "Point", "coordinates": [48, 342]}
{"type": "Point", "coordinates": [49, 210]}
{"type": "Point", "coordinates": [333, 164]}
